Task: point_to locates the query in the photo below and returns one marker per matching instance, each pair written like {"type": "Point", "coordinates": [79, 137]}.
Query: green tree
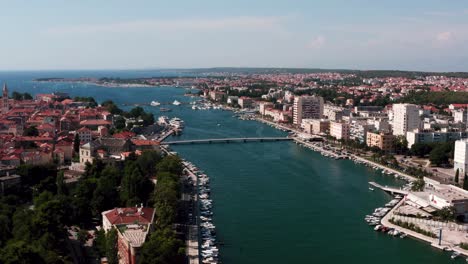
{"type": "Point", "coordinates": [119, 122]}
{"type": "Point", "coordinates": [100, 242]}
{"type": "Point", "coordinates": [111, 246]}
{"type": "Point", "coordinates": [438, 156]}
{"type": "Point", "coordinates": [447, 213]}
{"type": "Point", "coordinates": [418, 185]}
{"type": "Point", "coordinates": [135, 187]}
{"type": "Point", "coordinates": [76, 144]}
{"type": "Point", "coordinates": [465, 182]}
{"type": "Point", "coordinates": [421, 149]}
{"type": "Point", "coordinates": [147, 162]}
{"type": "Point", "coordinates": [170, 164]}
{"type": "Point", "coordinates": [401, 145]}
{"type": "Point", "coordinates": [19, 252]}
{"type": "Point", "coordinates": [5, 229]}
{"type": "Point", "coordinates": [60, 182]}
{"type": "Point", "coordinates": [136, 112]}
{"type": "Point", "coordinates": [163, 248]}
{"type": "Point", "coordinates": [106, 195]}
{"type": "Point", "coordinates": [112, 107]}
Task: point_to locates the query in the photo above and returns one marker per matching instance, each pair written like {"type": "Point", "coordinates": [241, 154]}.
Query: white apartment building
{"type": "Point", "coordinates": [405, 118]}
{"type": "Point", "coordinates": [460, 116]}
{"type": "Point", "coordinates": [307, 107]}
{"type": "Point", "coordinates": [460, 159]}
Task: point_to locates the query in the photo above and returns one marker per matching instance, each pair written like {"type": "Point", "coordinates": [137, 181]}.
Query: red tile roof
{"type": "Point", "coordinates": [130, 215]}
{"type": "Point", "coordinates": [97, 122]}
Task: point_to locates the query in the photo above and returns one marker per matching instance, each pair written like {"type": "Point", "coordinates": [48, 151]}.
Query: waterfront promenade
{"type": "Point", "coordinates": [320, 149]}
{"type": "Point", "coordinates": [432, 241]}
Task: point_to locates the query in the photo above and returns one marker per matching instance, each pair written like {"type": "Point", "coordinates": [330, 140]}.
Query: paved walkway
{"type": "Point", "coordinates": [432, 241]}
{"type": "Point", "coordinates": [192, 245]}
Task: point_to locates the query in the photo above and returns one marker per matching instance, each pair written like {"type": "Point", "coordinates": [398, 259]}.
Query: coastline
{"type": "Point", "coordinates": [107, 85]}
{"type": "Point", "coordinates": [320, 149]}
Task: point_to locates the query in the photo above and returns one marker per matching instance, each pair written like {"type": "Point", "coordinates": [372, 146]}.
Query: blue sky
{"type": "Point", "coordinates": [410, 35]}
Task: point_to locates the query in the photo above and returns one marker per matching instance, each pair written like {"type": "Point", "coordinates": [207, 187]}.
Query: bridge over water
{"type": "Point", "coordinates": [226, 140]}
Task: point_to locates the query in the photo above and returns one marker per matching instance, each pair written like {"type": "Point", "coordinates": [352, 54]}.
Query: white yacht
{"type": "Point", "coordinates": [155, 103]}
{"type": "Point", "coordinates": [163, 120]}
{"type": "Point", "coordinates": [176, 102]}
{"type": "Point", "coordinates": [177, 123]}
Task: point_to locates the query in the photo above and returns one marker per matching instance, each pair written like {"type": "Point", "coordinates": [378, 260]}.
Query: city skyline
{"type": "Point", "coordinates": [422, 36]}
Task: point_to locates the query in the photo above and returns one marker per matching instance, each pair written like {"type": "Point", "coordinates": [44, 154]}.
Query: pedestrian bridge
{"type": "Point", "coordinates": [226, 140]}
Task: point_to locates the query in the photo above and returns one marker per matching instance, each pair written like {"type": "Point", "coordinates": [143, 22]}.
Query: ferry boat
{"type": "Point", "coordinates": [155, 103]}
{"type": "Point", "coordinates": [176, 102]}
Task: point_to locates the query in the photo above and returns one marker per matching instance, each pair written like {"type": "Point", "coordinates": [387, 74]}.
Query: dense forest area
{"type": "Point", "coordinates": [35, 217]}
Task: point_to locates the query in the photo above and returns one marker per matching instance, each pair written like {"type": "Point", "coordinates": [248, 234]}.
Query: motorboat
{"type": "Point", "coordinates": [455, 255]}
{"type": "Point", "coordinates": [155, 103]}
{"type": "Point", "coordinates": [176, 102]}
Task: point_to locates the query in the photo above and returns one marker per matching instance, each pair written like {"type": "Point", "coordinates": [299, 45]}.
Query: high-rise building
{"type": "Point", "coordinates": [460, 157]}
{"type": "Point", "coordinates": [461, 116]}
{"type": "Point", "coordinates": [405, 118]}
{"type": "Point", "coordinates": [5, 103]}
{"type": "Point", "coordinates": [307, 107]}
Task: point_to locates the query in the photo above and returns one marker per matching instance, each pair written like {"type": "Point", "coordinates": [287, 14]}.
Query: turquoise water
{"type": "Point", "coordinates": [273, 202]}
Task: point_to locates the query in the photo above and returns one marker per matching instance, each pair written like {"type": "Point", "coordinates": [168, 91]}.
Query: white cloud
{"type": "Point", "coordinates": [316, 42]}
{"type": "Point", "coordinates": [444, 36]}
{"type": "Point", "coordinates": [231, 23]}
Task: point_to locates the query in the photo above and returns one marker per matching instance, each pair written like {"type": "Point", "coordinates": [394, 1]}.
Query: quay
{"type": "Point", "coordinates": [228, 140]}
{"type": "Point", "coordinates": [165, 135]}
{"type": "Point", "coordinates": [434, 242]}
{"type": "Point", "coordinates": [388, 189]}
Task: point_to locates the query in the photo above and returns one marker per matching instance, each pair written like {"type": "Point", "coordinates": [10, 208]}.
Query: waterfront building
{"type": "Point", "coordinates": [381, 124]}
{"type": "Point", "coordinates": [383, 141]}
{"type": "Point", "coordinates": [288, 97]}
{"type": "Point", "coordinates": [316, 126]}
{"type": "Point", "coordinates": [367, 108]}
{"type": "Point", "coordinates": [217, 96]}
{"type": "Point", "coordinates": [414, 137]}
{"type": "Point", "coordinates": [339, 130]}
{"type": "Point", "coordinates": [334, 113]}
{"type": "Point", "coordinates": [358, 130]}
{"type": "Point", "coordinates": [232, 99]}
{"type": "Point", "coordinates": [263, 106]}
{"type": "Point", "coordinates": [5, 106]}
{"type": "Point", "coordinates": [277, 115]}
{"type": "Point", "coordinates": [306, 107]}
{"type": "Point", "coordinates": [133, 225]}
{"type": "Point", "coordinates": [245, 102]}
{"type": "Point", "coordinates": [461, 116]}
{"type": "Point", "coordinates": [460, 157]}
{"type": "Point", "coordinates": [405, 118]}
{"type": "Point", "coordinates": [437, 196]}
